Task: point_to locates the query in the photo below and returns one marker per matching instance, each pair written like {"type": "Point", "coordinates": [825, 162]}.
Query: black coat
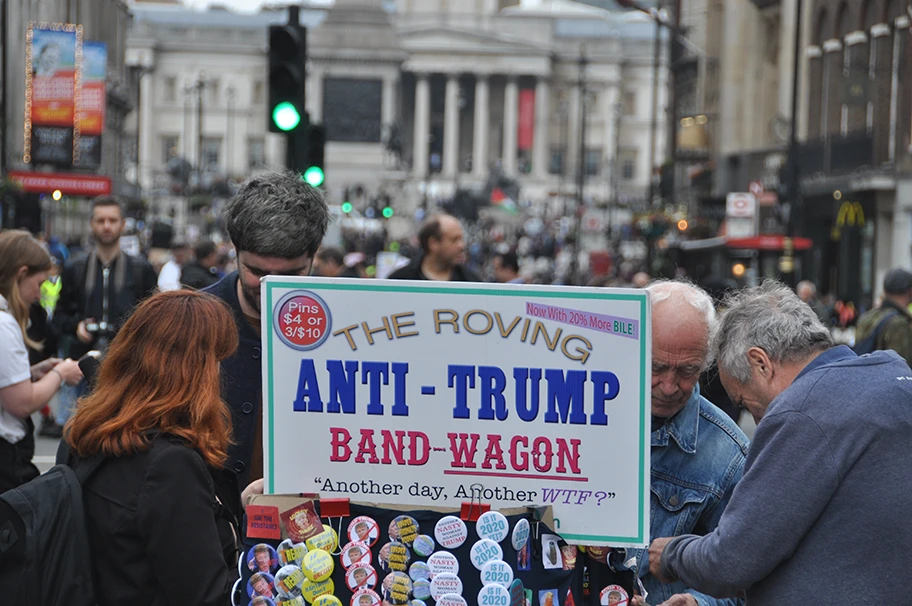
{"type": "Point", "coordinates": [412, 271]}
{"type": "Point", "coordinates": [241, 382]}
{"type": "Point", "coordinates": [194, 275]}
{"type": "Point", "coordinates": [156, 530]}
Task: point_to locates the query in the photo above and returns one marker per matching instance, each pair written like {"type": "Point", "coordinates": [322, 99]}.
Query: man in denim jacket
{"type": "Point", "coordinates": [698, 452]}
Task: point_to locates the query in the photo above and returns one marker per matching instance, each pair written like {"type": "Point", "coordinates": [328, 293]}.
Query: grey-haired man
{"type": "Point", "coordinates": [817, 517]}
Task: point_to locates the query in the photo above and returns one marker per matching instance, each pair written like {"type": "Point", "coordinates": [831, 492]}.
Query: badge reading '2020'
{"type": "Point", "coordinates": [302, 320]}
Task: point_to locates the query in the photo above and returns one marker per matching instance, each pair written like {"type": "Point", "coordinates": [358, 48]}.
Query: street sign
{"type": "Point", "coordinates": [742, 205]}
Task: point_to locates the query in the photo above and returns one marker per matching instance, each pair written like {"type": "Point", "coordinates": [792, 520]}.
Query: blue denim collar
{"type": "Point", "coordinates": [683, 427]}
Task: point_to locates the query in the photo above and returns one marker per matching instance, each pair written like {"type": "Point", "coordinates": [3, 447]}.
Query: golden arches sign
{"type": "Point", "coordinates": [851, 214]}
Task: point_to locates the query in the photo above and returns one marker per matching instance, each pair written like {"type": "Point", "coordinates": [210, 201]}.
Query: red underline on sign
{"type": "Point", "coordinates": [525, 476]}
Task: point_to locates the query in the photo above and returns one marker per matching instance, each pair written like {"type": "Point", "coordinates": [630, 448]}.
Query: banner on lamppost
{"type": "Point", "coordinates": [52, 93]}
{"type": "Point", "coordinates": [93, 102]}
{"type": "Point", "coordinates": [526, 130]}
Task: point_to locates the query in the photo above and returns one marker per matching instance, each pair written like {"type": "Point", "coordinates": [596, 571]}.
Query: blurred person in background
{"type": "Point", "coordinates": [159, 528]}
{"type": "Point", "coordinates": [24, 388]}
{"type": "Point", "coordinates": [202, 271]}
{"type": "Point", "coordinates": [506, 269]}
{"type": "Point", "coordinates": [328, 262]}
{"type": "Point", "coordinates": [890, 325]}
{"type": "Point", "coordinates": [807, 292]}
{"type": "Point", "coordinates": [99, 287]}
{"type": "Point", "coordinates": [443, 246]}
{"type": "Point", "coordinates": [170, 276]}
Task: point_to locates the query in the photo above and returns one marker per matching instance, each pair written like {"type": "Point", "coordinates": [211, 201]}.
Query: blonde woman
{"type": "Point", "coordinates": [24, 389]}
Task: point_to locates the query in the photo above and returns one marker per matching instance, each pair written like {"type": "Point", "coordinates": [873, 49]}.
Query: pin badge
{"type": "Point", "coordinates": [355, 554]}
{"type": "Point", "coordinates": [261, 583]}
{"type": "Point", "coordinates": [396, 588]}
{"type": "Point", "coordinates": [451, 532]}
{"type": "Point", "coordinates": [421, 589]}
{"type": "Point", "coordinates": [452, 600]}
{"type": "Point", "coordinates": [262, 558]}
{"type": "Point", "coordinates": [419, 570]}
{"type": "Point", "coordinates": [394, 556]}
{"type": "Point", "coordinates": [445, 583]}
{"type": "Point", "coordinates": [361, 577]}
{"type": "Point", "coordinates": [494, 594]}
{"type": "Point", "coordinates": [291, 552]}
{"type": "Point", "coordinates": [484, 551]}
{"type": "Point", "coordinates": [520, 534]}
{"type": "Point", "coordinates": [492, 525]}
{"type": "Point", "coordinates": [496, 572]}
{"type": "Point", "coordinates": [289, 580]}
{"type": "Point", "coordinates": [318, 565]}
{"type": "Point", "coordinates": [423, 545]}
{"type": "Point", "coordinates": [327, 600]}
{"type": "Point", "coordinates": [365, 597]}
{"type": "Point", "coordinates": [403, 528]}
{"type": "Point", "coordinates": [614, 595]}
{"type": "Point", "coordinates": [314, 589]}
{"type": "Point", "coordinates": [364, 529]}
{"type": "Point", "coordinates": [441, 562]}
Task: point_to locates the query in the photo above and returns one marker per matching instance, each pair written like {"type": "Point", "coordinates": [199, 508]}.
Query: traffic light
{"type": "Point", "coordinates": [309, 149]}
{"type": "Point", "coordinates": [346, 207]}
{"type": "Point", "coordinates": [387, 212]}
{"type": "Point", "coordinates": [287, 57]}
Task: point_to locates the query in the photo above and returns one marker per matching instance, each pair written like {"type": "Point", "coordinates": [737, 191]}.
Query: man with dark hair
{"type": "Point", "coordinates": [98, 290]}
{"type": "Point", "coordinates": [443, 253]}
{"type": "Point", "coordinates": [329, 262]}
{"type": "Point", "coordinates": [890, 325]}
{"type": "Point", "coordinates": [506, 269]}
{"type": "Point", "coordinates": [276, 223]}
{"type": "Point", "coordinates": [202, 271]}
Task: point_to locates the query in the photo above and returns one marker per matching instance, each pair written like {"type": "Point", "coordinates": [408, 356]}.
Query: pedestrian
{"type": "Point", "coordinates": [814, 518]}
{"type": "Point", "coordinates": [698, 452]}
{"type": "Point", "coordinates": [98, 289]}
{"type": "Point", "coordinates": [890, 325]}
{"type": "Point", "coordinates": [807, 292]}
{"type": "Point", "coordinates": [329, 262]}
{"type": "Point", "coordinates": [276, 223]}
{"type": "Point", "coordinates": [169, 278]}
{"type": "Point", "coordinates": [506, 269]}
{"type": "Point", "coordinates": [24, 388]}
{"type": "Point", "coordinates": [443, 245]}
{"type": "Point", "coordinates": [202, 271]}
{"type": "Point", "coordinates": [157, 524]}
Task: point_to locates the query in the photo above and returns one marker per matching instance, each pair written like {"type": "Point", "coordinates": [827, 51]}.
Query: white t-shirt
{"type": "Point", "coordinates": [14, 368]}
{"type": "Point", "coordinates": [170, 277]}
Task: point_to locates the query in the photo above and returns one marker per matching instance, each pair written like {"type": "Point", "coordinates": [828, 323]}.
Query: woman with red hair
{"type": "Point", "coordinates": [157, 418]}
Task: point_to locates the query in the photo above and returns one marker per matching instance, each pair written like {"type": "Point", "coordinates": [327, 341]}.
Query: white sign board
{"type": "Point", "coordinates": [740, 205]}
{"type": "Point", "coordinates": [436, 394]}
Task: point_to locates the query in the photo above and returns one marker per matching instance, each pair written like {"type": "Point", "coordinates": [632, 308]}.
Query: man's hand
{"type": "Point", "coordinates": [680, 599]}
{"type": "Point", "coordinates": [42, 368]}
{"type": "Point", "coordinates": [655, 558]}
{"type": "Point", "coordinates": [254, 488]}
{"type": "Point", "coordinates": [82, 334]}
{"type": "Point", "coordinates": [638, 601]}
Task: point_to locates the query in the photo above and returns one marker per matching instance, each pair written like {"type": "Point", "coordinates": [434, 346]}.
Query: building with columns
{"type": "Point", "coordinates": [419, 97]}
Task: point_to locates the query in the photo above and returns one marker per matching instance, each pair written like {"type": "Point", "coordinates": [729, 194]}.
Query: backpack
{"type": "Point", "coordinates": [869, 343]}
{"type": "Point", "coordinates": [45, 558]}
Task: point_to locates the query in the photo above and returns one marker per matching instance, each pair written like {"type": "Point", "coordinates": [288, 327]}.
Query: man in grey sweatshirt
{"type": "Point", "coordinates": [819, 516]}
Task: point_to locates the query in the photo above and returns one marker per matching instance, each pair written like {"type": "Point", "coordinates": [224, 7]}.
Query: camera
{"type": "Point", "coordinates": [97, 328]}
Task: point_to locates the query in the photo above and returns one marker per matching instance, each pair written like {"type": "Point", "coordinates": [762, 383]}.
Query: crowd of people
{"type": "Point", "coordinates": [807, 511]}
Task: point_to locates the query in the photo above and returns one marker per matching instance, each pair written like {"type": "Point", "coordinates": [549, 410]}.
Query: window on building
{"type": "Point", "coordinates": [628, 159]}
{"type": "Point", "coordinates": [628, 100]}
{"type": "Point", "coordinates": [169, 91]}
{"type": "Point", "coordinates": [556, 162]}
{"type": "Point", "coordinates": [593, 162]}
{"type": "Point", "coordinates": [258, 96]}
{"type": "Point", "coordinates": [211, 148]}
{"type": "Point", "coordinates": [169, 147]}
{"type": "Point", "coordinates": [256, 153]}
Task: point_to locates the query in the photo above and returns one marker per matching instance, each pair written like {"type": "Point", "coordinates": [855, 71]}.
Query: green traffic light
{"type": "Point", "coordinates": [314, 176]}
{"type": "Point", "coordinates": [285, 116]}
{"type": "Point", "coordinates": [346, 207]}
{"type": "Point", "coordinates": [387, 212]}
